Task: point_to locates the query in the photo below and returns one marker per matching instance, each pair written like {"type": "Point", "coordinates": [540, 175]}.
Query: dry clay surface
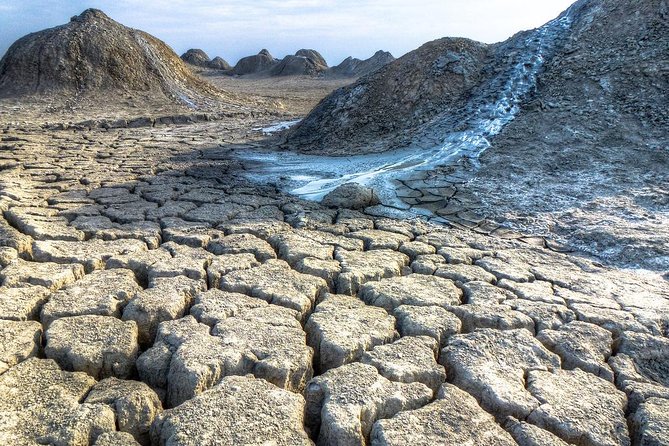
{"type": "Point", "coordinates": [150, 295]}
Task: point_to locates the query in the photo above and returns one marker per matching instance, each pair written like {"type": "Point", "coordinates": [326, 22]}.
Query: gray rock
{"type": "Point", "coordinates": [579, 407]}
{"type": "Point", "coordinates": [103, 293]}
{"type": "Point", "coordinates": [462, 273]}
{"type": "Point", "coordinates": [278, 284]}
{"type": "Point", "coordinates": [167, 300]}
{"type": "Point", "coordinates": [116, 439]}
{"type": "Point", "coordinates": [415, 249]}
{"type": "Point", "coordinates": [215, 306]}
{"type": "Point", "coordinates": [21, 304]}
{"type": "Point", "coordinates": [638, 392]}
{"type": "Point", "coordinates": [40, 404]}
{"type": "Point", "coordinates": [49, 275]}
{"type": "Point", "coordinates": [526, 434]}
{"type": "Point", "coordinates": [484, 293]}
{"type": "Point", "coordinates": [259, 63]}
{"type": "Point", "coordinates": [545, 315]}
{"type": "Point", "coordinates": [649, 354]}
{"type": "Point", "coordinates": [110, 58]}
{"type": "Point", "coordinates": [242, 243]}
{"type": "Point", "coordinates": [500, 317]}
{"type": "Point", "coordinates": [196, 57]}
{"type": "Point", "coordinates": [341, 328]}
{"type": "Point", "coordinates": [294, 247]}
{"type": "Point", "coordinates": [92, 253]}
{"type": "Point", "coordinates": [377, 239]}
{"type": "Point", "coordinates": [343, 404]}
{"type": "Point", "coordinates": [98, 345]}
{"type": "Point", "coordinates": [409, 359]}
{"type": "Point", "coordinates": [492, 365]}
{"type": "Point", "coordinates": [134, 404]}
{"type": "Point", "coordinates": [453, 419]}
{"type": "Point", "coordinates": [435, 322]}
{"type": "Point", "coordinates": [616, 321]}
{"type": "Point", "coordinates": [505, 270]}
{"type": "Point", "coordinates": [239, 410]}
{"type": "Point", "coordinates": [20, 341]}
{"type": "Point", "coordinates": [361, 267]}
{"type": "Point", "coordinates": [222, 265]}
{"type": "Point", "coordinates": [187, 360]}
{"type": "Point", "coordinates": [352, 196]}
{"type": "Point", "coordinates": [650, 423]}
{"type": "Point", "coordinates": [536, 291]}
{"type": "Point", "coordinates": [581, 345]}
{"type": "Point", "coordinates": [414, 289]}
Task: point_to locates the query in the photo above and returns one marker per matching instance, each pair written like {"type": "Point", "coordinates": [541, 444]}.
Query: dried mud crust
{"type": "Point", "coordinates": [150, 295]}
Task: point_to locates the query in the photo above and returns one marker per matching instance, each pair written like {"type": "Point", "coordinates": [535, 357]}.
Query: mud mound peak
{"type": "Point", "coordinates": [90, 14]}
{"type": "Point", "coordinates": [353, 67]}
{"type": "Point", "coordinates": [399, 96]}
{"type": "Point", "coordinates": [93, 54]}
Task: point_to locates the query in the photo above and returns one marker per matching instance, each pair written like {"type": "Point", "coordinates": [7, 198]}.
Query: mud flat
{"type": "Point", "coordinates": [151, 294]}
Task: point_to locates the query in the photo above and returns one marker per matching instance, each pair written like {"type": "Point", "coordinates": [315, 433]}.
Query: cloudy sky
{"type": "Point", "coordinates": [337, 28]}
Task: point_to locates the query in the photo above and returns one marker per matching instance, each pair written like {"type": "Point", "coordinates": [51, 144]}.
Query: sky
{"type": "Point", "coordinates": [337, 28]}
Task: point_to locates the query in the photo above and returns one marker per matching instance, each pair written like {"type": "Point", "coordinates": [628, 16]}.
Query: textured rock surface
{"type": "Point", "coordinates": [20, 341]}
{"type": "Point", "coordinates": [343, 327]}
{"type": "Point", "coordinates": [240, 410]}
{"type": "Point", "coordinates": [415, 289]}
{"type": "Point", "coordinates": [454, 418]}
{"type": "Point", "coordinates": [409, 359]}
{"type": "Point", "coordinates": [89, 62]}
{"type": "Point", "coordinates": [40, 404]}
{"type": "Point", "coordinates": [651, 422]}
{"type": "Point", "coordinates": [492, 365]}
{"type": "Point", "coordinates": [352, 196]}
{"type": "Point", "coordinates": [134, 404]}
{"type": "Point", "coordinates": [98, 345]}
{"type": "Point", "coordinates": [579, 407]}
{"type": "Point", "coordinates": [344, 403]}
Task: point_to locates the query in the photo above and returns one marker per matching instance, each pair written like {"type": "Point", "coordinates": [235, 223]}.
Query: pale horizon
{"type": "Point", "coordinates": [335, 29]}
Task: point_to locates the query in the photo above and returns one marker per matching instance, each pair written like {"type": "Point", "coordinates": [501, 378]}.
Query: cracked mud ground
{"type": "Point", "coordinates": [151, 295]}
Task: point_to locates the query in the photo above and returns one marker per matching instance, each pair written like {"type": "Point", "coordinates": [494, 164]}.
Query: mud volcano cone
{"type": "Point", "coordinates": [95, 54]}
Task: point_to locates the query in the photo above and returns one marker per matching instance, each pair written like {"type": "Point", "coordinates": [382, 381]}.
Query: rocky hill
{"type": "Point", "coordinates": [570, 118]}
{"type": "Point", "coordinates": [93, 54]}
{"type": "Point", "coordinates": [303, 63]}
{"type": "Point", "coordinates": [199, 58]}
{"type": "Point", "coordinates": [262, 61]}
{"type": "Point", "coordinates": [354, 67]}
{"type": "Point", "coordinates": [400, 96]}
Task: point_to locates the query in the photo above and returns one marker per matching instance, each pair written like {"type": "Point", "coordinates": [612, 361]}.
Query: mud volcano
{"type": "Point", "coordinates": [95, 54]}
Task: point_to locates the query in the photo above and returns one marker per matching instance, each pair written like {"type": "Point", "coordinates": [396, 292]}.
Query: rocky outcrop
{"type": "Point", "coordinates": [199, 58]}
{"type": "Point", "coordinates": [94, 54]}
{"type": "Point", "coordinates": [263, 61]}
{"type": "Point", "coordinates": [196, 57]}
{"type": "Point", "coordinates": [353, 67]}
{"type": "Point", "coordinates": [218, 63]}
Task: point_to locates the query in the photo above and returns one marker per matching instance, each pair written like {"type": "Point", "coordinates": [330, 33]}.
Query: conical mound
{"type": "Point", "coordinates": [95, 54]}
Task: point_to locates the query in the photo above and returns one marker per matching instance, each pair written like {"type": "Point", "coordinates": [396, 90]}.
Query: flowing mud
{"type": "Point", "coordinates": [312, 177]}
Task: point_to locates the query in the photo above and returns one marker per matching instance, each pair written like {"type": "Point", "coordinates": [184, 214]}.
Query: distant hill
{"type": "Point", "coordinates": [353, 67]}
{"type": "Point", "coordinates": [94, 54]}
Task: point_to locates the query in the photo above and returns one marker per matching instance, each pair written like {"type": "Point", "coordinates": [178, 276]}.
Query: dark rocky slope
{"type": "Point", "coordinates": [590, 146]}
{"type": "Point", "coordinates": [199, 58]}
{"type": "Point", "coordinates": [400, 96]}
{"type": "Point", "coordinates": [262, 61]}
{"type": "Point", "coordinates": [303, 63]}
{"type": "Point", "coordinates": [93, 54]}
{"type": "Point", "coordinates": [584, 160]}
